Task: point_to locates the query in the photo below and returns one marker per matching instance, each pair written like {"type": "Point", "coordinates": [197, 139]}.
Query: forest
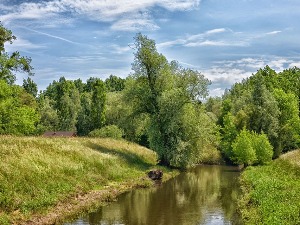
{"type": "Point", "coordinates": [161, 105]}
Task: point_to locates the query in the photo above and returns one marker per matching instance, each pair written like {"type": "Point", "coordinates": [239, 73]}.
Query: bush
{"type": "Point", "coordinates": [263, 148]}
{"type": "Point", "coordinates": [250, 147]}
{"type": "Point", "coordinates": [111, 131]}
{"type": "Point", "coordinates": [242, 148]}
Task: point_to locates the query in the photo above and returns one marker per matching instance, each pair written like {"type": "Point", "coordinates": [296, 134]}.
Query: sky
{"type": "Point", "coordinates": [225, 40]}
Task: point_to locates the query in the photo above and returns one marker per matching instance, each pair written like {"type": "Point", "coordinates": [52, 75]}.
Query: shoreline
{"type": "Point", "coordinates": [78, 204]}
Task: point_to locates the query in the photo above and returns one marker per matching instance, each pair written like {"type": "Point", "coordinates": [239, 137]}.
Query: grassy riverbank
{"type": "Point", "coordinates": [271, 193]}
{"type": "Point", "coordinates": [39, 174]}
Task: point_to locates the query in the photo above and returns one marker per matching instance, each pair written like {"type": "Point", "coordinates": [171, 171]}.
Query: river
{"type": "Point", "coordinates": [203, 195]}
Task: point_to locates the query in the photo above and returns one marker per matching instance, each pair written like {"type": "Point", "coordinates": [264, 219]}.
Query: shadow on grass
{"type": "Point", "coordinates": [131, 158]}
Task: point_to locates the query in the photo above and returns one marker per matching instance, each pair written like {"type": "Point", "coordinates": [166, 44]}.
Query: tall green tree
{"type": "Point", "coordinates": [289, 121]}
{"type": "Point", "coordinates": [30, 86]}
{"type": "Point", "coordinates": [65, 98]}
{"type": "Point", "coordinates": [84, 123]}
{"type": "Point", "coordinates": [114, 83]}
{"type": "Point", "coordinates": [167, 93]}
{"type": "Point", "coordinates": [229, 133]}
{"type": "Point", "coordinates": [18, 110]}
{"type": "Point", "coordinates": [265, 112]}
{"type": "Point", "coordinates": [49, 118]}
{"type": "Point", "coordinates": [242, 149]}
{"type": "Point", "coordinates": [14, 62]}
{"type": "Point", "coordinates": [98, 104]}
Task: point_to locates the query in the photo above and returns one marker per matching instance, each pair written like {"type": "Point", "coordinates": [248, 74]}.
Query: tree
{"type": "Point", "coordinates": [167, 93]}
{"type": "Point", "coordinates": [84, 122]}
{"type": "Point", "coordinates": [289, 121]}
{"type": "Point", "coordinates": [242, 148]}
{"type": "Point", "coordinates": [263, 148]}
{"type": "Point", "coordinates": [18, 110]}
{"type": "Point", "coordinates": [49, 118]}
{"type": "Point", "coordinates": [264, 116]}
{"type": "Point", "coordinates": [30, 86]}
{"type": "Point", "coordinates": [98, 104]}
{"type": "Point", "coordinates": [114, 83]}
{"type": "Point", "coordinates": [229, 133]}
{"type": "Point", "coordinates": [11, 63]}
{"type": "Point", "coordinates": [66, 101]}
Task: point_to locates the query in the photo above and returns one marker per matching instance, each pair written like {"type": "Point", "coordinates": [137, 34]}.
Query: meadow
{"type": "Point", "coordinates": [271, 193]}
{"type": "Point", "coordinates": [38, 174]}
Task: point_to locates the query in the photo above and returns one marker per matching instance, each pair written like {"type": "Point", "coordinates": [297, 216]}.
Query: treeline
{"type": "Point", "coordinates": [161, 105]}
{"type": "Point", "coordinates": [259, 117]}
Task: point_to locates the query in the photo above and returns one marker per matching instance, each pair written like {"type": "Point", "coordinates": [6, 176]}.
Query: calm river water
{"type": "Point", "coordinates": [203, 195]}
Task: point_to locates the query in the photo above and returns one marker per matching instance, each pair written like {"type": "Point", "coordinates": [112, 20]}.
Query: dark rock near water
{"type": "Point", "coordinates": [155, 174]}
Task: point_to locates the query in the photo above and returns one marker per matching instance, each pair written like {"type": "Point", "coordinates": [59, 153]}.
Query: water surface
{"type": "Point", "coordinates": [203, 195]}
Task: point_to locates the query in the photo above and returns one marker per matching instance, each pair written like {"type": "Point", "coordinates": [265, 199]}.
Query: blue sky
{"type": "Point", "coordinates": [226, 40]}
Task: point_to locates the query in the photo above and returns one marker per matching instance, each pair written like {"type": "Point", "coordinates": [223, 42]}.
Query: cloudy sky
{"type": "Point", "coordinates": [226, 40]}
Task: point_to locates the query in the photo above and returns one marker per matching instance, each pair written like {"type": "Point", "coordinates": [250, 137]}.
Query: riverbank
{"type": "Point", "coordinates": [271, 192]}
{"type": "Point", "coordinates": [46, 180]}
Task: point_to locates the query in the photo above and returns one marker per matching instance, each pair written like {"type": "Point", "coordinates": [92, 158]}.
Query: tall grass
{"type": "Point", "coordinates": [271, 193]}
{"type": "Point", "coordinates": [36, 173]}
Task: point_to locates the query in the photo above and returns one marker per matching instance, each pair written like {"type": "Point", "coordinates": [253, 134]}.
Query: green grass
{"type": "Point", "coordinates": [271, 193]}
{"type": "Point", "coordinates": [36, 173]}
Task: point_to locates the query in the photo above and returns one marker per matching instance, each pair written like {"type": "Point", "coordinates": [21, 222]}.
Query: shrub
{"type": "Point", "coordinates": [250, 147]}
{"type": "Point", "coordinates": [262, 147]}
{"type": "Point", "coordinates": [111, 131]}
{"type": "Point", "coordinates": [242, 148]}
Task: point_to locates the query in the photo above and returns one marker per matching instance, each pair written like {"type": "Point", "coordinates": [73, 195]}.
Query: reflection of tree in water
{"type": "Point", "coordinates": [187, 199]}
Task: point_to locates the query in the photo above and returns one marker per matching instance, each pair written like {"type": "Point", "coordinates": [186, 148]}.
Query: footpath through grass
{"type": "Point", "coordinates": [271, 193]}
{"type": "Point", "coordinates": [37, 173]}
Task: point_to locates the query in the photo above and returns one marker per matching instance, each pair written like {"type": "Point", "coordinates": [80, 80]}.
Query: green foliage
{"type": "Point", "coordinates": [251, 148]}
{"type": "Point", "coordinates": [11, 63]}
{"type": "Point", "coordinates": [114, 83]}
{"type": "Point", "coordinates": [267, 103]}
{"type": "Point", "coordinates": [120, 113]}
{"type": "Point", "coordinates": [270, 194]}
{"type": "Point", "coordinates": [168, 94]}
{"type": "Point", "coordinates": [265, 112]}
{"type": "Point", "coordinates": [289, 121]}
{"type": "Point", "coordinates": [229, 133]}
{"type": "Point", "coordinates": [111, 131]}
{"type": "Point", "coordinates": [49, 119]}
{"type": "Point", "coordinates": [98, 100]}
{"type": "Point", "coordinates": [65, 100]}
{"type": "Point", "coordinates": [263, 148]}
{"type": "Point", "coordinates": [18, 114]}
{"type": "Point", "coordinates": [30, 86]}
{"type": "Point", "coordinates": [84, 121]}
{"type": "Point", "coordinates": [242, 149]}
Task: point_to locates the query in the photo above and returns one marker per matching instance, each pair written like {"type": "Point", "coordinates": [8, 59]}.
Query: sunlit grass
{"type": "Point", "coordinates": [36, 173]}
{"type": "Point", "coordinates": [271, 194]}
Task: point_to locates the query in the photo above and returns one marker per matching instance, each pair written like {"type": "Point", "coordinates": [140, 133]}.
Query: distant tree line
{"type": "Point", "coordinates": [266, 106]}
{"type": "Point", "coordinates": [161, 105]}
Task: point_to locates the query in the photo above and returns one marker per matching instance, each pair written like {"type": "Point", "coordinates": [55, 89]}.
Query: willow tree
{"type": "Point", "coordinates": [169, 93]}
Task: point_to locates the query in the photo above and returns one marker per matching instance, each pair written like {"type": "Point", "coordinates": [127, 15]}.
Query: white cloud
{"type": "Point", "coordinates": [273, 32]}
{"type": "Point", "coordinates": [297, 64]}
{"type": "Point", "coordinates": [23, 44]}
{"type": "Point", "coordinates": [120, 50]}
{"type": "Point", "coordinates": [121, 13]}
{"type": "Point", "coordinates": [224, 74]}
{"type": "Point", "coordinates": [215, 43]}
{"type": "Point", "coordinates": [135, 23]}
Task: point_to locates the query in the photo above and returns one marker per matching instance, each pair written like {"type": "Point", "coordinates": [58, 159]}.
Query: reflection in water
{"type": "Point", "coordinates": [204, 195]}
